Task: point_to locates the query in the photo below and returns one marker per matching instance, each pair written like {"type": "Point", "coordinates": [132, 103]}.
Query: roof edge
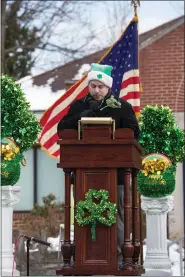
{"type": "Point", "coordinates": [156, 37]}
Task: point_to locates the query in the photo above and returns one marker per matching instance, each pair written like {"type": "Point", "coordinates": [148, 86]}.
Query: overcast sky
{"type": "Point", "coordinates": [154, 13]}
{"type": "Point", "coordinates": [151, 14]}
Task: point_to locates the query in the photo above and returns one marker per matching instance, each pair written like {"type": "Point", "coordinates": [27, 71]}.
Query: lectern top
{"type": "Point", "coordinates": [97, 120]}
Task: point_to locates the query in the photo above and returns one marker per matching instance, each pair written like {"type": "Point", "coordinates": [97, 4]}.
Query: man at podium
{"type": "Point", "coordinates": [101, 102]}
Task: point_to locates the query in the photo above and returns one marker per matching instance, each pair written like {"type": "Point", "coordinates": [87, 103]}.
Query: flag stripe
{"type": "Point", "coordinates": [68, 100]}
{"type": "Point", "coordinates": [134, 102]}
{"type": "Point", "coordinates": [129, 88]}
{"type": "Point", "coordinates": [132, 80]}
{"type": "Point", "coordinates": [64, 107]}
{"type": "Point", "coordinates": [131, 73]}
{"type": "Point", "coordinates": [132, 95]}
{"type": "Point", "coordinates": [53, 148]}
{"type": "Point", "coordinates": [48, 136]}
{"type": "Point", "coordinates": [57, 153]}
{"type": "Point", "coordinates": [48, 112]}
{"type": "Point", "coordinates": [136, 109]}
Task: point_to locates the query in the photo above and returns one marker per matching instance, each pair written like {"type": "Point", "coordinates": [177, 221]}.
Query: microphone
{"type": "Point", "coordinates": [37, 240]}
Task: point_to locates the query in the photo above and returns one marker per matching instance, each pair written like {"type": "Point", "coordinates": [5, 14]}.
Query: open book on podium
{"type": "Point", "coordinates": [93, 154]}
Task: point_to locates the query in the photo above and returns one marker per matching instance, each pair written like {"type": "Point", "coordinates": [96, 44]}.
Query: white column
{"type": "Point", "coordinates": [10, 195]}
{"type": "Point", "coordinates": [156, 210]}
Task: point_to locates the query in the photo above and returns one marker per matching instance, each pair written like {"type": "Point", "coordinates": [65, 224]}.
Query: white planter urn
{"type": "Point", "coordinates": [10, 195]}
{"type": "Point", "coordinates": [156, 262]}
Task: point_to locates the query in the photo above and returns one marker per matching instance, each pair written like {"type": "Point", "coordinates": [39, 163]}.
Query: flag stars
{"type": "Point", "coordinates": [128, 65]}
{"type": "Point", "coordinates": [129, 55]}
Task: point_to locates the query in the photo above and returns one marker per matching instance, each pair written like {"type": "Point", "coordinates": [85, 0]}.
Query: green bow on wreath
{"type": "Point", "coordinates": [88, 212]}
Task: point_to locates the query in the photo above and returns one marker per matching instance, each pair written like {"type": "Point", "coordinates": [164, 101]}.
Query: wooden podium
{"type": "Point", "coordinates": [93, 160]}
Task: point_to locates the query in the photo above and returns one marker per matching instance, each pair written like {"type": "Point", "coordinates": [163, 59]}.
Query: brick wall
{"type": "Point", "coordinates": [162, 71]}
{"type": "Point", "coordinates": [29, 224]}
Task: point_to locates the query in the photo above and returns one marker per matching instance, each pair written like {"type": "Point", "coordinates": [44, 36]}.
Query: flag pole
{"type": "Point", "coordinates": [135, 3]}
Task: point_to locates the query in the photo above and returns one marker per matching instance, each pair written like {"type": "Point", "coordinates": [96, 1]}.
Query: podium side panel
{"type": "Point", "coordinates": [103, 251]}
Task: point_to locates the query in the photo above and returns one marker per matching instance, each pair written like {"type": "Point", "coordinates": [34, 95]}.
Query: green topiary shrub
{"type": "Point", "coordinates": [160, 133]}
{"type": "Point", "coordinates": [19, 130]}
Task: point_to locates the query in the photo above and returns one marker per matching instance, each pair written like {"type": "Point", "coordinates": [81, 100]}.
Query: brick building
{"type": "Point", "coordinates": [161, 63]}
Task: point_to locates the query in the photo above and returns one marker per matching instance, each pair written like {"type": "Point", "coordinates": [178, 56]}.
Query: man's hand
{"type": "Point", "coordinates": [87, 113]}
{"type": "Point", "coordinates": [93, 108]}
{"type": "Point", "coordinates": [93, 105]}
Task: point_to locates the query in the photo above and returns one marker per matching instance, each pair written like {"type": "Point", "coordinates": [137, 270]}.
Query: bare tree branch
{"type": "Point", "coordinates": [3, 32]}
{"type": "Point", "coordinates": [65, 29]}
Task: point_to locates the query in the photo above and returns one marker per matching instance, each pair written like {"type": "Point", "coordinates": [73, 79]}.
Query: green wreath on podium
{"type": "Point", "coordinates": [89, 212]}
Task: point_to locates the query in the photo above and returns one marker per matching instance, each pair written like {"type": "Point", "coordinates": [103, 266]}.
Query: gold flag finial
{"type": "Point", "coordinates": [135, 3]}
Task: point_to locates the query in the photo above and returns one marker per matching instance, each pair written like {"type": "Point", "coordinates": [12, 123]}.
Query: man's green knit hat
{"type": "Point", "coordinates": [101, 73]}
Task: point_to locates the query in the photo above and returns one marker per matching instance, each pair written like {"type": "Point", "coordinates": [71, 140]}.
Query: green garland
{"type": "Point", "coordinates": [151, 187]}
{"type": "Point", "coordinates": [88, 212]}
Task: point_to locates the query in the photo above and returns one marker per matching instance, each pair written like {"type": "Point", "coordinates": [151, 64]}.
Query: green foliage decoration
{"type": "Point", "coordinates": [159, 133]}
{"type": "Point", "coordinates": [89, 212]}
{"type": "Point", "coordinates": [17, 121]}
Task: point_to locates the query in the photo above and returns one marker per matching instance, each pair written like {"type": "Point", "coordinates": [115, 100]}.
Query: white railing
{"type": "Point", "coordinates": [179, 242]}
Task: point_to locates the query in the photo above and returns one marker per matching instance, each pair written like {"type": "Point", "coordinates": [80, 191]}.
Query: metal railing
{"type": "Point", "coordinates": [179, 241]}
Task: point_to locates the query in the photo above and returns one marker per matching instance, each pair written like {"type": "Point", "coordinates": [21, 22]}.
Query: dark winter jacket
{"type": "Point", "coordinates": [88, 107]}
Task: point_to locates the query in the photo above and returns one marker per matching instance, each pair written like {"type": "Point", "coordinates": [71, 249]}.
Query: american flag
{"type": "Point", "coordinates": [123, 56]}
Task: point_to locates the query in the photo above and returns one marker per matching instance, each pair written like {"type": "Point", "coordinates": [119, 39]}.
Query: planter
{"type": "Point", "coordinates": [10, 171]}
{"type": "Point", "coordinates": [153, 187]}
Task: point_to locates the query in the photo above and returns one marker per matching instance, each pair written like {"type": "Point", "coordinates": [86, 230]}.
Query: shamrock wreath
{"type": "Point", "coordinates": [88, 212]}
